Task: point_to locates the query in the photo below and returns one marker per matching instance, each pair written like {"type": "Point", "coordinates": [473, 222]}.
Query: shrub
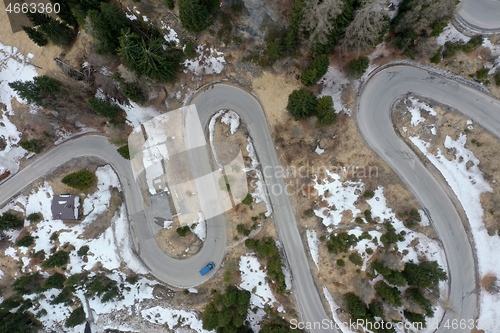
{"type": "Point", "coordinates": [102, 285]}
{"type": "Point", "coordinates": [54, 236]}
{"type": "Point", "coordinates": [248, 199]}
{"type": "Point", "coordinates": [34, 145]}
{"type": "Point", "coordinates": [415, 295]}
{"type": "Point", "coordinates": [392, 276]}
{"type": "Point", "coordinates": [482, 74]}
{"type": "Point", "coordinates": [170, 4]}
{"type": "Point", "coordinates": [301, 103]}
{"type": "Point", "coordinates": [74, 280]}
{"type": "Point", "coordinates": [411, 218]}
{"type": "Point", "coordinates": [132, 279]}
{"type": "Point", "coordinates": [34, 217]}
{"type": "Point", "coordinates": [190, 50]}
{"type": "Point", "coordinates": [356, 259]}
{"type": "Point", "coordinates": [355, 305]}
{"type": "Point", "coordinates": [496, 77]}
{"type": "Point", "coordinates": [76, 317]}
{"type": "Point", "coordinates": [82, 251]}
{"type": "Point", "coordinates": [242, 229]}
{"type": "Point", "coordinates": [341, 242]}
{"type": "Point", "coordinates": [275, 47]}
{"type": "Point", "coordinates": [227, 312]}
{"type": "Point", "coordinates": [424, 275]}
{"type": "Point", "coordinates": [124, 152]}
{"type": "Point", "coordinates": [316, 70]}
{"type": "Point", "coordinates": [26, 241]}
{"type": "Point", "coordinates": [11, 303]}
{"type": "Point", "coordinates": [58, 259]}
{"type": "Point", "coordinates": [81, 180]}
{"type": "Point", "coordinates": [134, 92]}
{"type": "Point", "coordinates": [472, 44]}
{"type": "Point", "coordinates": [390, 235]}
{"type": "Point", "coordinates": [415, 318]}
{"type": "Point", "coordinates": [325, 111]}
{"type": "Point", "coordinates": [436, 58]}
{"type": "Point", "coordinates": [377, 309]}
{"type": "Point", "coordinates": [340, 262]}
{"type": "Point", "coordinates": [65, 296]}
{"type": "Point", "coordinates": [438, 26]}
{"type": "Point", "coordinates": [266, 247]}
{"type": "Point", "coordinates": [368, 194]}
{"type": "Point", "coordinates": [22, 322]}
{"type": "Point", "coordinates": [39, 255]}
{"type": "Point", "coordinates": [389, 294]}
{"type": "Point", "coordinates": [56, 281]}
{"type": "Point", "coordinates": [27, 284]}
{"type": "Point", "coordinates": [451, 48]}
{"type": "Point", "coordinates": [358, 66]}
{"type": "Point", "coordinates": [183, 231]}
{"type": "Point", "coordinates": [104, 108]}
{"type": "Point", "coordinates": [10, 221]}
{"type": "Point", "coordinates": [368, 215]}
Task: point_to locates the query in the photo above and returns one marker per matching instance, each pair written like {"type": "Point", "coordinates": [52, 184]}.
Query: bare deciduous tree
{"type": "Point", "coordinates": [319, 18]}
{"type": "Point", "coordinates": [365, 30]}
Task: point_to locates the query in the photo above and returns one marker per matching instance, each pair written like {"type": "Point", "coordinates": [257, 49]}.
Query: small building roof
{"type": "Point", "coordinates": [65, 207]}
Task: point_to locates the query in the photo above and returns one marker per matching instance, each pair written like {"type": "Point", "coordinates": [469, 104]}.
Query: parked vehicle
{"type": "Point", "coordinates": [207, 268]}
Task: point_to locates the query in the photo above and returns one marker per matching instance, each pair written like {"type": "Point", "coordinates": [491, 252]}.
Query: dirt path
{"type": "Point", "coordinates": [44, 56]}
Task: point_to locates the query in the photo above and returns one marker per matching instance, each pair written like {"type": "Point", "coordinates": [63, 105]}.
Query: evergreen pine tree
{"type": "Point", "coordinates": [149, 57]}
{"type": "Point", "coordinates": [26, 90]}
{"type": "Point", "coordinates": [81, 9]}
{"type": "Point", "coordinates": [38, 18]}
{"type": "Point", "coordinates": [194, 15]}
{"type": "Point", "coordinates": [301, 103]}
{"type": "Point", "coordinates": [58, 32]}
{"type": "Point", "coordinates": [65, 13]}
{"type": "Point", "coordinates": [325, 111]}
{"type": "Point", "coordinates": [36, 36]}
{"type": "Point", "coordinates": [107, 26]}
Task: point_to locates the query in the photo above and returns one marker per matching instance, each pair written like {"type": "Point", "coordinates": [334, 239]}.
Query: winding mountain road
{"type": "Point", "coordinates": [479, 16]}
{"type": "Point", "coordinates": [374, 121]}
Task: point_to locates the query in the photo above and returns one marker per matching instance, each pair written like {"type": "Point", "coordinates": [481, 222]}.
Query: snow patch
{"type": "Point", "coordinates": [334, 83]}
{"type": "Point", "coordinates": [253, 279]}
{"type": "Point", "coordinates": [209, 61]}
{"type": "Point", "coordinates": [173, 318]}
{"type": "Point", "coordinates": [451, 34]}
{"type": "Point", "coordinates": [313, 243]}
{"type": "Point", "coordinates": [468, 184]}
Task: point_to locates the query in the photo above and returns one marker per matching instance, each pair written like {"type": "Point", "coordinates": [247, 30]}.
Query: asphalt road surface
{"type": "Point", "coordinates": [480, 16]}
{"type": "Point", "coordinates": [375, 124]}
{"type": "Point", "coordinates": [374, 120]}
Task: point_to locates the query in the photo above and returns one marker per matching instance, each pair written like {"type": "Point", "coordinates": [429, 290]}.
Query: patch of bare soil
{"type": "Point", "coordinates": [176, 246]}
{"type": "Point", "coordinates": [251, 215]}
{"type": "Point", "coordinates": [44, 56]}
{"type": "Point", "coordinates": [485, 146]}
{"type": "Point", "coordinates": [345, 153]}
{"type": "Point", "coordinates": [463, 64]}
{"type": "Point", "coordinates": [273, 90]}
